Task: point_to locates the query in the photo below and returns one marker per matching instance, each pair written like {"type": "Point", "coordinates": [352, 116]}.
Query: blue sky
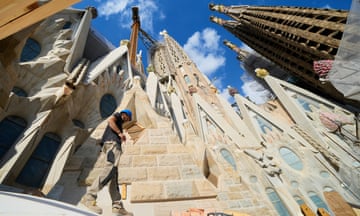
{"type": "Point", "coordinates": [188, 22]}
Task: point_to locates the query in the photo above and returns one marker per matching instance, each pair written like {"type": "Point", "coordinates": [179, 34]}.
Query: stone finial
{"type": "Point", "coordinates": [261, 72]}
{"type": "Point", "coordinates": [232, 91]}
{"type": "Point", "coordinates": [150, 68]}
{"type": "Point", "coordinates": [216, 20]}
{"type": "Point", "coordinates": [163, 32]}
{"type": "Point", "coordinates": [124, 43]}
{"type": "Point", "coordinates": [93, 11]}
{"type": "Point", "coordinates": [137, 81]}
{"type": "Point", "coordinates": [214, 7]}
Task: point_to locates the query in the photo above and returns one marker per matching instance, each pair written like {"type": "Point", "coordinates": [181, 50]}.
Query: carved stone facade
{"type": "Point", "coordinates": [186, 149]}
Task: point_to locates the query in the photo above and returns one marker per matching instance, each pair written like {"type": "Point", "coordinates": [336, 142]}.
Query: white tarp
{"type": "Point", "coordinates": [345, 72]}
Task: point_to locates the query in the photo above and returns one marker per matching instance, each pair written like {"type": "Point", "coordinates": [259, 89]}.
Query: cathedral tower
{"type": "Point", "coordinates": [292, 37]}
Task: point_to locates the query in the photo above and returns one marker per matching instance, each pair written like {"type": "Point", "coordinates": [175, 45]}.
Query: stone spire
{"type": "Point", "coordinates": [242, 54]}
{"type": "Point", "coordinates": [291, 37]}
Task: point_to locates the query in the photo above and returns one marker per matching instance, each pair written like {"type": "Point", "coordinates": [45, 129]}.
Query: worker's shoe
{"type": "Point", "coordinates": [119, 210]}
{"type": "Point", "coordinates": [89, 201]}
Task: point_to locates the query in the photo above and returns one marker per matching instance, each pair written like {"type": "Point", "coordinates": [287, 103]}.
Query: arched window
{"type": "Point", "coordinates": [328, 189]}
{"type": "Point", "coordinates": [38, 166]}
{"type": "Point", "coordinates": [30, 51]}
{"type": "Point", "coordinates": [299, 200]}
{"type": "Point", "coordinates": [107, 105]}
{"type": "Point", "coordinates": [263, 124]}
{"type": "Point", "coordinates": [187, 79]}
{"type": "Point", "coordinates": [67, 25]}
{"type": "Point", "coordinates": [291, 158]}
{"type": "Point", "coordinates": [228, 157]}
{"type": "Point", "coordinates": [276, 201]}
{"type": "Point", "coordinates": [10, 130]}
{"type": "Point", "coordinates": [306, 102]}
{"type": "Point", "coordinates": [19, 92]}
{"type": "Point", "coordinates": [317, 200]}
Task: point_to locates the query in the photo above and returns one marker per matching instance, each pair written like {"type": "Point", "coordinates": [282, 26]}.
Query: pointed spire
{"type": "Point", "coordinates": [228, 10]}
{"type": "Point", "coordinates": [242, 54]}
{"type": "Point", "coordinates": [232, 91]}
{"type": "Point", "coordinates": [217, 20]}
{"type": "Point", "coordinates": [218, 8]}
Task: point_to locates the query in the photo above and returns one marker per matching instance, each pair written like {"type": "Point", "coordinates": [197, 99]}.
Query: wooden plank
{"type": "Point", "coordinates": [338, 205]}
{"type": "Point", "coordinates": [323, 212]}
{"type": "Point", "coordinates": [35, 16]}
{"type": "Point", "coordinates": [12, 9]}
{"type": "Point", "coordinates": [306, 210]}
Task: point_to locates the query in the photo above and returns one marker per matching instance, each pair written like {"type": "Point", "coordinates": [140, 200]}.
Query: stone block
{"type": "Point", "coordinates": [135, 174]}
{"type": "Point", "coordinates": [163, 173]}
{"type": "Point", "coordinates": [205, 188]}
{"type": "Point", "coordinates": [131, 149]}
{"type": "Point", "coordinates": [144, 161]}
{"type": "Point", "coordinates": [147, 191]}
{"type": "Point", "coordinates": [156, 132]}
{"type": "Point", "coordinates": [177, 148]}
{"type": "Point", "coordinates": [169, 160]}
{"type": "Point", "coordinates": [154, 149]}
{"type": "Point", "coordinates": [187, 159]}
{"type": "Point", "coordinates": [144, 139]}
{"type": "Point", "coordinates": [191, 172]}
{"type": "Point", "coordinates": [176, 190]}
{"type": "Point", "coordinates": [234, 195]}
{"type": "Point", "coordinates": [159, 140]}
{"type": "Point", "coordinates": [125, 161]}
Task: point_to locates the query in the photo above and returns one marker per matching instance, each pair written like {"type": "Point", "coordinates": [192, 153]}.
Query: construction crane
{"type": "Point", "coordinates": [148, 41]}
{"type": "Point", "coordinates": [134, 35]}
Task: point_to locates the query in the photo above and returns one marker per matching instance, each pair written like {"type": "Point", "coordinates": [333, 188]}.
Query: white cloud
{"type": "Point", "coordinates": [111, 7]}
{"type": "Point", "coordinates": [203, 48]}
{"type": "Point", "coordinates": [326, 6]}
{"type": "Point", "coordinates": [224, 93]}
{"type": "Point", "coordinates": [255, 91]}
{"type": "Point", "coordinates": [122, 10]}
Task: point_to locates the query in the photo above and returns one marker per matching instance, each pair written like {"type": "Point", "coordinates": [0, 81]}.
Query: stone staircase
{"type": "Point", "coordinates": [160, 168]}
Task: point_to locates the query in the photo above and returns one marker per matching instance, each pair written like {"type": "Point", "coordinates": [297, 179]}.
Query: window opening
{"type": "Point", "coordinates": [107, 105]}
{"type": "Point", "coordinates": [37, 167]}
{"type": "Point", "coordinates": [10, 130]}
{"type": "Point", "coordinates": [30, 51]}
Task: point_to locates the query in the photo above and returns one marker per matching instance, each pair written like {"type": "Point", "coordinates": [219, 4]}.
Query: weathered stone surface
{"type": "Point", "coordinates": [131, 149]}
{"type": "Point", "coordinates": [177, 148]}
{"type": "Point", "coordinates": [187, 159]}
{"type": "Point", "coordinates": [191, 172]}
{"type": "Point", "coordinates": [168, 160]}
{"type": "Point", "coordinates": [74, 164]}
{"type": "Point", "coordinates": [147, 191]}
{"type": "Point", "coordinates": [181, 190]}
{"type": "Point", "coordinates": [163, 173]}
{"type": "Point", "coordinates": [144, 161]}
{"type": "Point", "coordinates": [159, 140]}
{"type": "Point", "coordinates": [205, 188]}
{"type": "Point", "coordinates": [154, 149]}
{"type": "Point", "coordinates": [125, 161]}
{"type": "Point", "coordinates": [134, 174]}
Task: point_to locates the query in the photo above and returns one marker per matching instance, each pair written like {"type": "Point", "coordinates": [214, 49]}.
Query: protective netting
{"type": "Point", "coordinates": [345, 71]}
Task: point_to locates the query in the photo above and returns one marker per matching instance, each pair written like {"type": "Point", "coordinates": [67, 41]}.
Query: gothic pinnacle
{"type": "Point", "coordinates": [242, 54]}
